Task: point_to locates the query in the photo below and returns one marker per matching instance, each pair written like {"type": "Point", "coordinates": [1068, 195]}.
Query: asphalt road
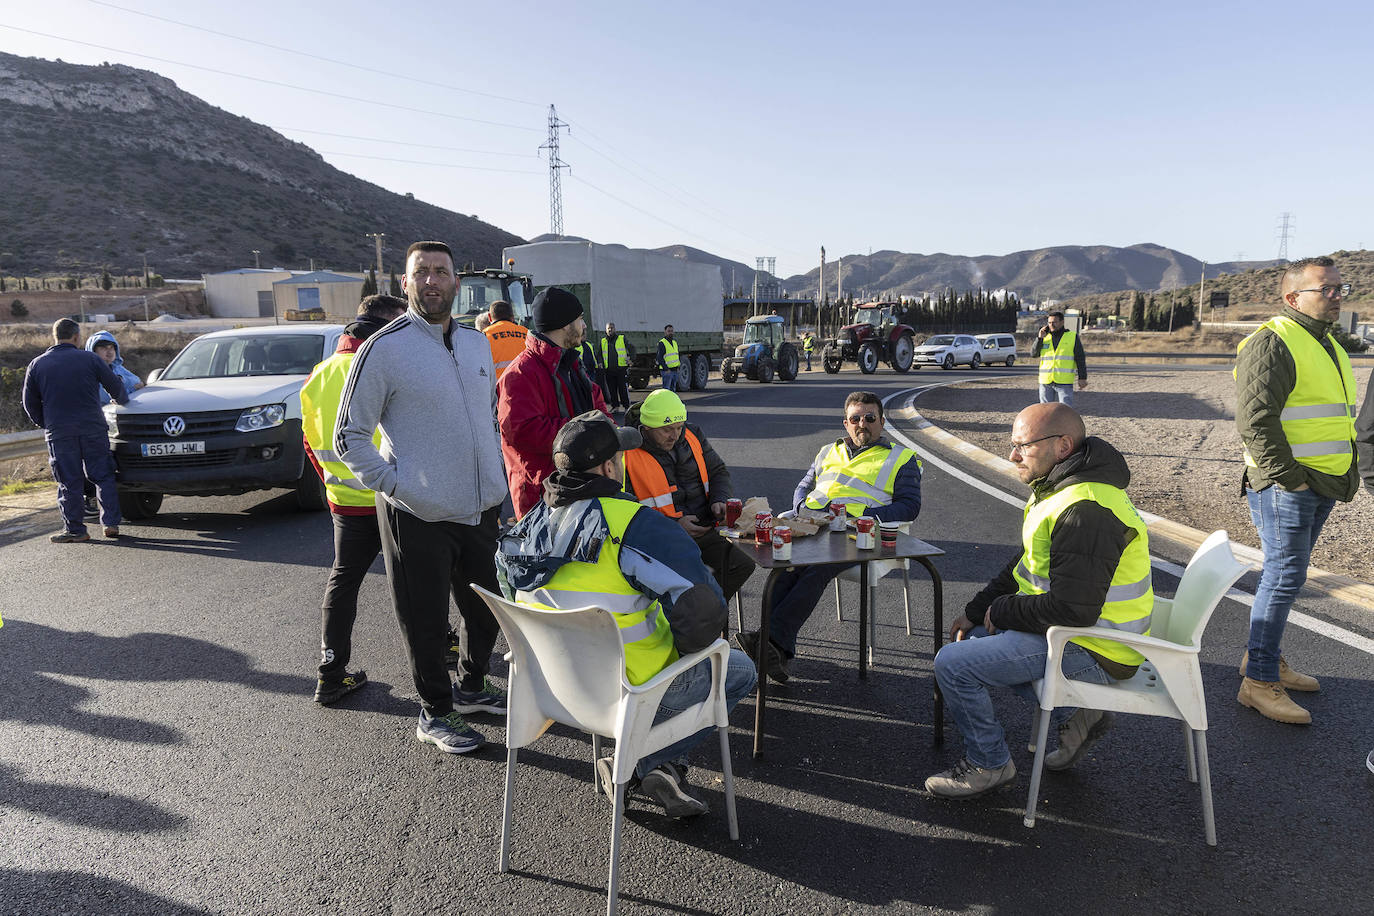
{"type": "Point", "coordinates": [160, 753]}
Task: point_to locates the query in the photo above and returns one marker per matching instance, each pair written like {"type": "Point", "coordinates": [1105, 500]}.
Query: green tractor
{"type": "Point", "coordinates": [763, 354]}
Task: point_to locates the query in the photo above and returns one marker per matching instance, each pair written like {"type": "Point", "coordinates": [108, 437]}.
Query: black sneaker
{"type": "Point", "coordinates": [490, 699]}
{"type": "Point", "coordinates": [665, 786]}
{"type": "Point", "coordinates": [90, 510]}
{"type": "Point", "coordinates": [774, 661]}
{"type": "Point", "coordinates": [449, 733]}
{"type": "Point", "coordinates": [605, 774]}
{"type": "Point", "coordinates": [332, 690]}
{"type": "Point", "coordinates": [451, 653]}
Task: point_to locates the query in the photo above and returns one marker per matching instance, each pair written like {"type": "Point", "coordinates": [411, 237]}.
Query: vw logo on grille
{"type": "Point", "coordinates": [174, 426]}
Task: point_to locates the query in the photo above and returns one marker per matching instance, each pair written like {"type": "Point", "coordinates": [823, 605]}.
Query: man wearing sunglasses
{"type": "Point", "coordinates": [873, 477]}
{"type": "Point", "coordinates": [1295, 409]}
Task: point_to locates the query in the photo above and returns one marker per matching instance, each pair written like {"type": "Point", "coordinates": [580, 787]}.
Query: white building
{"type": "Point", "coordinates": [251, 292]}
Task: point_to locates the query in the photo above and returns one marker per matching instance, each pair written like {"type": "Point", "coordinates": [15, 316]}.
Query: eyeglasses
{"type": "Point", "coordinates": [856, 419]}
{"type": "Point", "coordinates": [1330, 292]}
{"type": "Point", "coordinates": [1022, 446]}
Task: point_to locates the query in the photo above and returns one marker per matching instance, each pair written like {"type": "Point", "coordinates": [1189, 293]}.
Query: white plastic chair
{"type": "Point", "coordinates": [568, 666]}
{"type": "Point", "coordinates": [877, 569]}
{"type": "Point", "coordinates": [1168, 684]}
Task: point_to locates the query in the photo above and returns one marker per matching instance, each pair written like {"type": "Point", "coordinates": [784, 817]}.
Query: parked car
{"type": "Point", "coordinates": [224, 417]}
{"type": "Point", "coordinates": [948, 351]}
{"type": "Point", "coordinates": [998, 348]}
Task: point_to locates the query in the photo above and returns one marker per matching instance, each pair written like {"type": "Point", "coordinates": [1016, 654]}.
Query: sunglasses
{"type": "Point", "coordinates": [857, 418]}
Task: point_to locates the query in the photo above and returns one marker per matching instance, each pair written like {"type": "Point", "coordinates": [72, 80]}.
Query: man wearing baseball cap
{"type": "Point", "coordinates": [677, 473]}
{"type": "Point", "coordinates": [588, 543]}
{"type": "Point", "coordinates": [544, 386]}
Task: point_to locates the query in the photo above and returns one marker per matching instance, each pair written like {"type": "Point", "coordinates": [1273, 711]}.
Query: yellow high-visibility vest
{"type": "Point", "coordinates": [670, 357]}
{"type": "Point", "coordinates": [1131, 597]}
{"type": "Point", "coordinates": [320, 398]}
{"type": "Point", "coordinates": [622, 357]}
{"type": "Point", "coordinates": [1318, 418]}
{"type": "Point", "coordinates": [862, 481]}
{"type": "Point", "coordinates": [644, 629]}
{"type": "Point", "coordinates": [1056, 363]}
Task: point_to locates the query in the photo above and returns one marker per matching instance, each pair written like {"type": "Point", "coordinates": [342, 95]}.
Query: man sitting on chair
{"type": "Point", "coordinates": [1084, 561]}
{"type": "Point", "coordinates": [872, 477]}
{"type": "Point", "coordinates": [587, 543]}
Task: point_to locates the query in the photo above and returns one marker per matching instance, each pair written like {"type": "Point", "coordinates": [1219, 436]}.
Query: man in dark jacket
{"type": "Point", "coordinates": [587, 536]}
{"type": "Point", "coordinates": [1295, 400]}
{"type": "Point", "coordinates": [62, 395]}
{"type": "Point", "coordinates": [1060, 361]}
{"type": "Point", "coordinates": [679, 474]}
{"type": "Point", "coordinates": [1084, 557]}
{"type": "Point", "coordinates": [543, 388]}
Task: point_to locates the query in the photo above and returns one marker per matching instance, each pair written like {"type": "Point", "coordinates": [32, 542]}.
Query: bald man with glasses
{"type": "Point", "coordinates": [872, 477]}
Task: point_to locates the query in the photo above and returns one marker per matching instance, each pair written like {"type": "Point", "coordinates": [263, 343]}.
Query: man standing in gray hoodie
{"type": "Point", "coordinates": [429, 385]}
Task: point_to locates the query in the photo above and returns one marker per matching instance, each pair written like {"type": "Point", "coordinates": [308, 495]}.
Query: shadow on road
{"type": "Point", "coordinates": [83, 807]}
{"type": "Point", "coordinates": [78, 892]}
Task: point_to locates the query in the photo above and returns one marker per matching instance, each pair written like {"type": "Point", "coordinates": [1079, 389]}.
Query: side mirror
{"type": "Point", "coordinates": [155, 375]}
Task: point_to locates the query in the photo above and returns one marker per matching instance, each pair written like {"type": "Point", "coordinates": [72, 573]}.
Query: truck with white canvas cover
{"type": "Point", "coordinates": [639, 292]}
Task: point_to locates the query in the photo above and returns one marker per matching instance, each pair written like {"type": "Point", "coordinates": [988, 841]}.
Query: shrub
{"type": "Point", "coordinates": [18, 309]}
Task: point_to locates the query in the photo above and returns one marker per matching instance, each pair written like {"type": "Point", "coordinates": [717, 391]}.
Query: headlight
{"type": "Point", "coordinates": [265, 417]}
{"type": "Point", "coordinates": [110, 422]}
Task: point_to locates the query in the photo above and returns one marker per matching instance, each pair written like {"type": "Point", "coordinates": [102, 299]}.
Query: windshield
{"type": "Point", "coordinates": [940, 340]}
{"type": "Point", "coordinates": [769, 332]}
{"type": "Point", "coordinates": [266, 354]}
{"type": "Point", "coordinates": [868, 316]}
{"type": "Point", "coordinates": [476, 294]}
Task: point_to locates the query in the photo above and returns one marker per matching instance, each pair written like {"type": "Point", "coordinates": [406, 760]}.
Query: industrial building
{"type": "Point", "coordinates": [263, 293]}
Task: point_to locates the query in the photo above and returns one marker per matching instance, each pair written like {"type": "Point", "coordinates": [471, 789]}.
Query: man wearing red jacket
{"type": "Point", "coordinates": [540, 391]}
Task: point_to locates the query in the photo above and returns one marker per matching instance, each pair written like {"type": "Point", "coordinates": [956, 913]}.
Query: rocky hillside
{"type": "Point", "coordinates": [104, 164]}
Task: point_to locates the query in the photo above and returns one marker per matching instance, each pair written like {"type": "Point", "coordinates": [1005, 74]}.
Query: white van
{"type": "Point", "coordinates": [998, 348]}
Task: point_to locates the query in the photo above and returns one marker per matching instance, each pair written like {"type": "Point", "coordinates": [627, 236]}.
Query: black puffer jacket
{"type": "Point", "coordinates": [680, 467]}
{"type": "Point", "coordinates": [1085, 548]}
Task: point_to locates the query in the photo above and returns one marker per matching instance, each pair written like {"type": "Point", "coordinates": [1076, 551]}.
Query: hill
{"type": "Point", "coordinates": [104, 164]}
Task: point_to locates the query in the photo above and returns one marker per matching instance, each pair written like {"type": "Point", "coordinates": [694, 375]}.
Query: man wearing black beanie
{"type": "Point", "coordinates": [542, 388]}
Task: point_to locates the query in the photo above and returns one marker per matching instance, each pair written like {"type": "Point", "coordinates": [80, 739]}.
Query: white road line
{"type": "Point", "coordinates": [1329, 630]}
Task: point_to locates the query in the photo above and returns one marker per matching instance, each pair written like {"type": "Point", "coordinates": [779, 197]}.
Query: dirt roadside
{"type": "Point", "coordinates": [1177, 431]}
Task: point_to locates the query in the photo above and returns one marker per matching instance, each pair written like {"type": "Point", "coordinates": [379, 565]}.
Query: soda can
{"type": "Point", "coordinates": [839, 515]}
{"type": "Point", "coordinates": [733, 508]}
{"type": "Point", "coordinates": [863, 532]}
{"type": "Point", "coordinates": [782, 543]}
{"type": "Point", "coordinates": [763, 524]}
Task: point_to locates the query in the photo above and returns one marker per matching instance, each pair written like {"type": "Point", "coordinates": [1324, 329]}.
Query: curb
{"type": "Point", "coordinates": [1333, 585]}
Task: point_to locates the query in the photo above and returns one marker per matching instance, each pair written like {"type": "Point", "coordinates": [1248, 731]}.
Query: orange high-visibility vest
{"type": "Point", "coordinates": [645, 479]}
{"type": "Point", "coordinates": [507, 339]}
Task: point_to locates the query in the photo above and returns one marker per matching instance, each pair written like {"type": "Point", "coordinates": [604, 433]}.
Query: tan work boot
{"type": "Point", "coordinates": [1290, 679]}
{"type": "Point", "coordinates": [1269, 699]}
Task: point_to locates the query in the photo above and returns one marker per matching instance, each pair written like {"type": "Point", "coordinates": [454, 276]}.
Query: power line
{"type": "Point", "coordinates": [328, 60]}
{"type": "Point", "coordinates": [277, 83]}
{"type": "Point", "coordinates": [447, 149]}
{"type": "Point", "coordinates": [654, 216]}
{"type": "Point", "coordinates": [437, 165]}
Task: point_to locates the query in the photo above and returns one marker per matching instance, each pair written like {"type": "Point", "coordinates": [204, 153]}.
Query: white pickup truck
{"type": "Point", "coordinates": [224, 417]}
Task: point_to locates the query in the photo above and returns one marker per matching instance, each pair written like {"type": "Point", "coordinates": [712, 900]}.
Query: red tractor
{"type": "Point", "coordinates": [875, 336]}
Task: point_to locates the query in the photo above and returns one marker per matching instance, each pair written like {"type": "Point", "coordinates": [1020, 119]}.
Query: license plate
{"type": "Point", "coordinates": [163, 449]}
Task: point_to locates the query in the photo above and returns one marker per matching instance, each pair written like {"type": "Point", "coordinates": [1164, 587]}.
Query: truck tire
{"type": "Point", "coordinates": [701, 371]}
{"type": "Point", "coordinates": [309, 490]}
{"type": "Point", "coordinates": [903, 351]}
{"type": "Point", "coordinates": [788, 362]}
{"type": "Point", "coordinates": [765, 371]}
{"type": "Point", "coordinates": [867, 358]}
{"type": "Point", "coordinates": [639, 379]}
{"type": "Point", "coordinates": [136, 506]}
{"type": "Point", "coordinates": [684, 373]}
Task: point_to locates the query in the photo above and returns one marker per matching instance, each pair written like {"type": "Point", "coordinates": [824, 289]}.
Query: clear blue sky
{"type": "Point", "coordinates": [772, 129]}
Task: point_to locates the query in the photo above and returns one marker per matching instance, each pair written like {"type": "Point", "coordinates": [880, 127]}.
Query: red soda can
{"type": "Point", "coordinates": [763, 525]}
{"type": "Point", "coordinates": [782, 542]}
{"type": "Point", "coordinates": [863, 532]}
{"type": "Point", "coordinates": [733, 508]}
{"type": "Point", "coordinates": [839, 515]}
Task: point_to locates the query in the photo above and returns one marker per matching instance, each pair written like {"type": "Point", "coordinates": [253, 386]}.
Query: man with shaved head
{"type": "Point", "coordinates": [1084, 561]}
{"type": "Point", "coordinates": [1295, 410]}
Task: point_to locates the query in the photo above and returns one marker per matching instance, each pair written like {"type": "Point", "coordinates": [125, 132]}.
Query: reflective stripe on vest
{"type": "Point", "coordinates": [670, 357]}
{"type": "Point", "coordinates": [646, 481]}
{"type": "Point", "coordinates": [644, 629]}
{"type": "Point", "coordinates": [1130, 598]}
{"type": "Point", "coordinates": [507, 340]}
{"type": "Point", "coordinates": [1056, 363]}
{"type": "Point", "coordinates": [809, 344]}
{"type": "Point", "coordinates": [862, 481]}
{"type": "Point", "coordinates": [622, 358]}
{"type": "Point", "coordinates": [320, 396]}
{"type": "Point", "coordinates": [1318, 418]}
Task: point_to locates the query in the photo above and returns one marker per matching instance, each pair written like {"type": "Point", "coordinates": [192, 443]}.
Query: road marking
{"type": "Point", "coordinates": [1330, 630]}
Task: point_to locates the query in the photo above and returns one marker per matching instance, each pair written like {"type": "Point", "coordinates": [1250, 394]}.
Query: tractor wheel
{"type": "Point", "coordinates": [868, 358]}
{"type": "Point", "coordinates": [701, 371]}
{"type": "Point", "coordinates": [788, 363]}
{"type": "Point", "coordinates": [832, 360]}
{"type": "Point", "coordinates": [765, 370]}
{"type": "Point", "coordinates": [976, 361]}
{"type": "Point", "coordinates": [729, 375]}
{"type": "Point", "coordinates": [949, 361]}
{"type": "Point", "coordinates": [902, 353]}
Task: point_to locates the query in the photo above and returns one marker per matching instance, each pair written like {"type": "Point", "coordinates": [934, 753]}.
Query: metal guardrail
{"type": "Point", "coordinates": [22, 445]}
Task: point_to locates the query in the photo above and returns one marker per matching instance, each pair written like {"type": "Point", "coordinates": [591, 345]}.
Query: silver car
{"type": "Point", "coordinates": [948, 351]}
{"type": "Point", "coordinates": [998, 348]}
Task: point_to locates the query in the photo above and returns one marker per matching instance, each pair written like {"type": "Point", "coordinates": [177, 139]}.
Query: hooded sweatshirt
{"type": "Point", "coordinates": [130, 380]}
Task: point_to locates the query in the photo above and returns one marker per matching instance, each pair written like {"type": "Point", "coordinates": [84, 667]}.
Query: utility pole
{"type": "Point", "coordinates": [1202, 288]}
{"type": "Point", "coordinates": [556, 166]}
{"type": "Point", "coordinates": [256, 263]}
{"type": "Point", "coordinates": [145, 309]}
{"type": "Point", "coordinates": [83, 309]}
{"type": "Point", "coordinates": [377, 237]}
{"type": "Point", "coordinates": [820, 293]}
{"type": "Point", "coordinates": [839, 287]}
{"type": "Point", "coordinates": [145, 270]}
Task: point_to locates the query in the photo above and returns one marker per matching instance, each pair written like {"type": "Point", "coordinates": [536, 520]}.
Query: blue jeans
{"type": "Point", "coordinates": [690, 688]}
{"type": "Point", "coordinates": [1061, 393]}
{"type": "Point", "coordinates": [74, 460]}
{"type": "Point", "coordinates": [808, 359]}
{"type": "Point", "coordinates": [1009, 658]}
{"type": "Point", "coordinates": [1288, 523]}
{"type": "Point", "coordinates": [669, 379]}
{"type": "Point", "coordinates": [794, 599]}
